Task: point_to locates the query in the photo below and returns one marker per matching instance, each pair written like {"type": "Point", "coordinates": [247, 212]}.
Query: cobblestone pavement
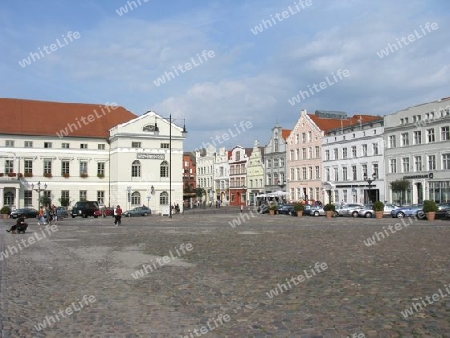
{"type": "Point", "coordinates": [233, 282]}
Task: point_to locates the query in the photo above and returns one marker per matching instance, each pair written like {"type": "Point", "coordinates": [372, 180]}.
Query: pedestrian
{"type": "Point", "coordinates": [41, 218]}
{"type": "Point", "coordinates": [242, 207]}
{"type": "Point", "coordinates": [118, 216]}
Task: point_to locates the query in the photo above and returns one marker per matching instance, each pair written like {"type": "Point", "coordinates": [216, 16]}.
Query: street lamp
{"type": "Point", "coordinates": [39, 191]}
{"type": "Point", "coordinates": [183, 133]}
{"type": "Point", "coordinates": [149, 196]}
{"type": "Point", "coordinates": [369, 181]}
{"type": "Point", "coordinates": [129, 197]}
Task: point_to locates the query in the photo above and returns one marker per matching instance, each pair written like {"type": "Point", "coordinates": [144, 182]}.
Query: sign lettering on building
{"type": "Point", "coordinates": [146, 156]}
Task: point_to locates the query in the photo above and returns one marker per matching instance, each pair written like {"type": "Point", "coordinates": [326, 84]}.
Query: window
{"type": "Point", "coordinates": [28, 144]}
{"type": "Point", "coordinates": [83, 145]}
{"type": "Point", "coordinates": [417, 163]}
{"type": "Point", "coordinates": [269, 179]}
{"type": "Point", "coordinates": [164, 198]}
{"type": "Point", "coordinates": [47, 144]}
{"type": "Point", "coordinates": [9, 143]}
{"type": "Point", "coordinates": [275, 162]}
{"type": "Point", "coordinates": [101, 146]}
{"type": "Point", "coordinates": [317, 172]}
{"type": "Point", "coordinates": [291, 155]}
{"type": "Point", "coordinates": [28, 198]}
{"type": "Point", "coordinates": [135, 144]}
{"type": "Point", "coordinates": [336, 153]}
{"type": "Point", "coordinates": [375, 170]}
{"type": "Point", "coordinates": [310, 173]}
{"type": "Point", "coordinates": [28, 164]}
{"type": "Point", "coordinates": [304, 137]}
{"type": "Point", "coordinates": [310, 153]}
{"type": "Point", "coordinates": [101, 169]}
{"type": "Point", "coordinates": [297, 138]}
{"type": "Point", "coordinates": [304, 173]}
{"type": "Point", "coordinates": [164, 169]}
{"type": "Point", "coordinates": [405, 140]}
{"type": "Point", "coordinates": [282, 162]}
{"type": "Point", "coordinates": [100, 197]}
{"type": "Point", "coordinates": [375, 148]}
{"type": "Point", "coordinates": [309, 136]}
{"type": "Point", "coordinates": [446, 161]}
{"type": "Point", "coordinates": [327, 171]}
{"type": "Point", "coordinates": [136, 198]}
{"type": "Point", "coordinates": [364, 170]}
{"type": "Point", "coordinates": [276, 145]}
{"type": "Point", "coordinates": [393, 166]}
{"type": "Point", "coordinates": [405, 164]}
{"type": "Point", "coordinates": [432, 162]}
{"type": "Point", "coordinates": [304, 153]}
{"type": "Point", "coordinates": [336, 174]}
{"type": "Point", "coordinates": [165, 145]}
{"type": "Point", "coordinates": [317, 152]}
{"type": "Point", "coordinates": [417, 137]}
{"type": "Point", "coordinates": [65, 145]}
{"type": "Point", "coordinates": [297, 171]}
{"type": "Point", "coordinates": [65, 165]}
{"type": "Point", "coordinates": [327, 155]}
{"type": "Point", "coordinates": [354, 174]}
{"type": "Point", "coordinates": [392, 141]}
{"type": "Point", "coordinates": [9, 166]}
{"type": "Point", "coordinates": [83, 195]}
{"type": "Point", "coordinates": [406, 120]}
{"type": "Point", "coordinates": [65, 195]}
{"type": "Point", "coordinates": [344, 174]}
{"type": "Point", "coordinates": [354, 151]}
{"type": "Point", "coordinates": [297, 154]}
{"type": "Point", "coordinates": [344, 153]}
{"type": "Point", "coordinates": [402, 121]}
{"type": "Point", "coordinates": [292, 174]}
{"type": "Point", "coordinates": [269, 163]}
{"type": "Point", "coordinates": [48, 167]}
{"type": "Point", "coordinates": [83, 167]}
{"type": "Point", "coordinates": [430, 135]}
{"type": "Point", "coordinates": [136, 169]}
{"type": "Point", "coordinates": [238, 156]}
{"type": "Point", "coordinates": [364, 150]}
{"type": "Point", "coordinates": [445, 133]}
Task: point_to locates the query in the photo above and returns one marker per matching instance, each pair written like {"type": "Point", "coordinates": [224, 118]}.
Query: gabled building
{"type": "Point", "coordinates": [255, 174]}
{"type": "Point", "coordinates": [205, 171]}
{"type": "Point", "coordinates": [189, 178]}
{"type": "Point", "coordinates": [71, 152]}
{"type": "Point", "coordinates": [222, 176]}
{"type": "Point", "coordinates": [304, 152]}
{"type": "Point", "coordinates": [238, 172]}
{"type": "Point", "coordinates": [275, 160]}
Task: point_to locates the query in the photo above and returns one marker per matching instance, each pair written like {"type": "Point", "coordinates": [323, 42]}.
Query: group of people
{"type": "Point", "coordinates": [176, 208]}
{"type": "Point", "coordinates": [47, 215]}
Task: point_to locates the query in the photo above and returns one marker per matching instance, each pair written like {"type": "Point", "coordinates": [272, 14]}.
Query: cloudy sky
{"type": "Point", "coordinates": [116, 54]}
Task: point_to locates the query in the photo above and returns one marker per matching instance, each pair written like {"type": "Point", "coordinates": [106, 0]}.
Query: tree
{"type": "Point", "coordinates": [400, 186]}
{"type": "Point", "coordinates": [45, 200]}
{"type": "Point", "coordinates": [64, 202]}
{"type": "Point", "coordinates": [200, 192]}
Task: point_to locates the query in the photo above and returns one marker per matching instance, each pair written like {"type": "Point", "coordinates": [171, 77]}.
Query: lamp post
{"type": "Point", "coordinates": [183, 133]}
{"type": "Point", "coordinates": [369, 181]}
{"type": "Point", "coordinates": [39, 191]}
{"type": "Point", "coordinates": [129, 197]}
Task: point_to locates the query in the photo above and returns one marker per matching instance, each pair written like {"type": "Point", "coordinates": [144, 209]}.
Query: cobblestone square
{"type": "Point", "coordinates": [195, 275]}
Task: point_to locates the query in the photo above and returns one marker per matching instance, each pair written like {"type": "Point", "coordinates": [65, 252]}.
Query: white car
{"type": "Point", "coordinates": [368, 212]}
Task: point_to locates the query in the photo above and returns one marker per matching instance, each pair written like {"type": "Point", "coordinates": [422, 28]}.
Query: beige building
{"type": "Point", "coordinates": [255, 174]}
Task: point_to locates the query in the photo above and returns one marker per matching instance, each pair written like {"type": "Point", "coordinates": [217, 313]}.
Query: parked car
{"type": "Point", "coordinates": [447, 214]}
{"type": "Point", "coordinates": [61, 212]}
{"type": "Point", "coordinates": [84, 209]}
{"type": "Point", "coordinates": [138, 211]}
{"type": "Point", "coordinates": [349, 210]}
{"type": "Point", "coordinates": [317, 211]}
{"type": "Point", "coordinates": [28, 212]}
{"type": "Point", "coordinates": [367, 210]}
{"type": "Point", "coordinates": [104, 212]}
{"type": "Point", "coordinates": [415, 210]}
{"type": "Point", "coordinates": [286, 209]}
{"type": "Point", "coordinates": [443, 208]}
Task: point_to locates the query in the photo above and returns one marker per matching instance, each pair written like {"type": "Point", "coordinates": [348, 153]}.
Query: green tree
{"type": "Point", "coordinates": [400, 186]}
{"type": "Point", "coordinates": [200, 192]}
{"type": "Point", "coordinates": [64, 202]}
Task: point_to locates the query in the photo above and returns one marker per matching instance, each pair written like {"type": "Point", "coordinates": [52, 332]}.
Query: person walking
{"type": "Point", "coordinates": [41, 218]}
{"type": "Point", "coordinates": [118, 216]}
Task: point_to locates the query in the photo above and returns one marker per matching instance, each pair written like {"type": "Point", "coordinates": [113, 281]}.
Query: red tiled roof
{"type": "Point", "coordinates": [326, 124]}
{"type": "Point", "coordinates": [31, 117]}
{"type": "Point", "coordinates": [285, 133]}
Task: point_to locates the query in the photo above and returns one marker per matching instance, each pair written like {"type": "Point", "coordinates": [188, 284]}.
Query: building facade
{"type": "Point", "coordinates": [205, 172]}
{"type": "Point", "coordinates": [275, 160]}
{"type": "Point", "coordinates": [189, 178]}
{"type": "Point", "coordinates": [222, 176]}
{"type": "Point", "coordinates": [418, 151]}
{"type": "Point", "coordinates": [255, 174]}
{"type": "Point", "coordinates": [352, 157]}
{"type": "Point", "coordinates": [88, 152]}
{"type": "Point", "coordinates": [238, 173]}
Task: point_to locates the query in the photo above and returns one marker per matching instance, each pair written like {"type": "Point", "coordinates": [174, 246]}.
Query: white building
{"type": "Point", "coordinates": [418, 150]}
{"type": "Point", "coordinates": [275, 160]}
{"type": "Point", "coordinates": [88, 152]}
{"type": "Point", "coordinates": [222, 176]}
{"type": "Point", "coordinates": [205, 172]}
{"type": "Point", "coordinates": [353, 155]}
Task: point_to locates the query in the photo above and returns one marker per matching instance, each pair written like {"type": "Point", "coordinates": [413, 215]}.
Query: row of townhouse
{"type": "Point", "coordinates": [65, 152]}
{"type": "Point", "coordinates": [333, 158]}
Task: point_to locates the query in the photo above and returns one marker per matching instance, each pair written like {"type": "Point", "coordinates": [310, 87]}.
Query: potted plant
{"type": "Point", "coordinates": [378, 207]}
{"type": "Point", "coordinates": [48, 175]}
{"type": "Point", "coordinates": [299, 207]}
{"type": "Point", "coordinates": [99, 175]}
{"type": "Point", "coordinates": [11, 174]}
{"type": "Point", "coordinates": [28, 174]}
{"type": "Point", "coordinates": [66, 175]}
{"type": "Point", "coordinates": [83, 175]}
{"type": "Point", "coordinates": [20, 175]}
{"type": "Point", "coordinates": [430, 208]}
{"type": "Point", "coordinates": [329, 209]}
{"type": "Point", "coordinates": [273, 207]}
{"type": "Point", "coordinates": [5, 211]}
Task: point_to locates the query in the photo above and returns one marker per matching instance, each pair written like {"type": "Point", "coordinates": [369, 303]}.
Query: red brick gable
{"type": "Point", "coordinates": [44, 118]}
{"type": "Point", "coordinates": [326, 124]}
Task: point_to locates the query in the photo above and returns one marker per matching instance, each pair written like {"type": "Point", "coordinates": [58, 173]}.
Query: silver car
{"type": "Point", "coordinates": [368, 212]}
{"type": "Point", "coordinates": [349, 209]}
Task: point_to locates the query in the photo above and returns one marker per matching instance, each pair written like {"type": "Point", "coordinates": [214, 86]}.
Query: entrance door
{"type": "Point", "coordinates": [419, 192]}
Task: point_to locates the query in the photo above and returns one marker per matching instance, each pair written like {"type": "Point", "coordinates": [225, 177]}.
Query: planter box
{"type": "Point", "coordinates": [378, 214]}
{"type": "Point", "coordinates": [12, 174]}
{"type": "Point", "coordinates": [272, 212]}
{"type": "Point", "coordinates": [48, 175]}
{"type": "Point", "coordinates": [431, 215]}
{"type": "Point", "coordinates": [299, 213]}
{"type": "Point", "coordinates": [329, 213]}
{"type": "Point", "coordinates": [28, 175]}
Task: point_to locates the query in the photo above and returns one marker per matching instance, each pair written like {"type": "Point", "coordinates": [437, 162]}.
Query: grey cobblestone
{"type": "Point", "coordinates": [229, 271]}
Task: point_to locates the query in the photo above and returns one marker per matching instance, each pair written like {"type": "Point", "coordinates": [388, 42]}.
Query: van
{"type": "Point", "coordinates": [84, 209]}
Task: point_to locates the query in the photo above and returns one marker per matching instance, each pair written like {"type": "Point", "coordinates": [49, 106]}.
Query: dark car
{"type": "Point", "coordinates": [104, 212]}
{"type": "Point", "coordinates": [138, 211]}
{"type": "Point", "coordinates": [287, 209]}
{"type": "Point", "coordinates": [27, 212]}
{"type": "Point", "coordinates": [443, 209]}
{"type": "Point", "coordinates": [62, 212]}
{"type": "Point", "coordinates": [85, 209]}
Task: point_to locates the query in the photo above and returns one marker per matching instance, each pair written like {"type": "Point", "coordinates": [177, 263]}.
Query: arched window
{"type": "Point", "coordinates": [136, 198]}
{"type": "Point", "coordinates": [164, 198]}
{"type": "Point", "coordinates": [136, 169]}
{"type": "Point", "coordinates": [164, 169]}
{"type": "Point", "coordinates": [8, 198]}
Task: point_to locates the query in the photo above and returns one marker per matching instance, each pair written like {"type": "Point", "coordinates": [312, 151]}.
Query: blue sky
{"type": "Point", "coordinates": [118, 58]}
